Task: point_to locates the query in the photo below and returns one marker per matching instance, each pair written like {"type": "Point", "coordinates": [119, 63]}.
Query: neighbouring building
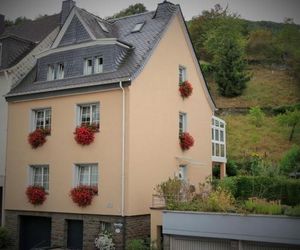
{"type": "Point", "coordinates": [18, 46]}
{"type": "Point", "coordinates": [106, 97]}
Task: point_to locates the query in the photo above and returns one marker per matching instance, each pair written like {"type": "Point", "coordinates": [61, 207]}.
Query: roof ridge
{"type": "Point", "coordinates": [139, 14]}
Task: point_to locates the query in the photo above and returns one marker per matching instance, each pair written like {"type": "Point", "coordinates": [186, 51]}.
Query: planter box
{"type": "Point", "coordinates": [259, 228]}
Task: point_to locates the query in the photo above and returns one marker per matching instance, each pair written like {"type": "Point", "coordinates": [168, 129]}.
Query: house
{"type": "Point", "coordinates": [18, 45]}
{"type": "Point", "coordinates": [115, 84]}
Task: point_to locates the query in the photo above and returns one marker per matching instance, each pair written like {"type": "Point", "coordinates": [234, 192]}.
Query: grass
{"type": "Point", "coordinates": [270, 140]}
{"type": "Point", "coordinates": [267, 88]}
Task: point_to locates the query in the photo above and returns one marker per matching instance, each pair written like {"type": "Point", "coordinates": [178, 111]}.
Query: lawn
{"type": "Point", "coordinates": [267, 88]}
{"type": "Point", "coordinates": [270, 140]}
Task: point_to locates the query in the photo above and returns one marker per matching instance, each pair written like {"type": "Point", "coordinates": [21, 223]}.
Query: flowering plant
{"type": "Point", "coordinates": [186, 141]}
{"type": "Point", "coordinates": [83, 194]}
{"type": "Point", "coordinates": [104, 241]}
{"type": "Point", "coordinates": [38, 137]}
{"type": "Point", "coordinates": [84, 134]}
{"type": "Point", "coordinates": [185, 89]}
{"type": "Point", "coordinates": [36, 195]}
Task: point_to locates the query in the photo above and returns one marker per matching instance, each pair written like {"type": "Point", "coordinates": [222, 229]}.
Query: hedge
{"type": "Point", "coordinates": [270, 188]}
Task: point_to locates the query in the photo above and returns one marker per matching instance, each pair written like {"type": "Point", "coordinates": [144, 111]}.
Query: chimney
{"type": "Point", "coordinates": [2, 23]}
{"type": "Point", "coordinates": [67, 5]}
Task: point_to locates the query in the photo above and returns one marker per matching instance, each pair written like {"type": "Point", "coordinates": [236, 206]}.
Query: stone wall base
{"type": "Point", "coordinates": [123, 229]}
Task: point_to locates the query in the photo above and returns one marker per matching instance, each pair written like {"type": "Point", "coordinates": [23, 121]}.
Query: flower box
{"type": "Point", "coordinates": [84, 135]}
{"type": "Point", "coordinates": [38, 137]}
{"type": "Point", "coordinates": [83, 195]}
{"type": "Point", "coordinates": [186, 141]}
{"type": "Point", "coordinates": [185, 89]}
{"type": "Point", "coordinates": [36, 195]}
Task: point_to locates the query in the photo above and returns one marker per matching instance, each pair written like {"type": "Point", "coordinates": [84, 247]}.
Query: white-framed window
{"type": "Point", "coordinates": [218, 129]}
{"type": "Point", "coordinates": [39, 176]}
{"type": "Point", "coordinates": [60, 71]}
{"type": "Point", "coordinates": [88, 114]}
{"type": "Point", "coordinates": [51, 72]}
{"type": "Point", "coordinates": [182, 175]}
{"type": "Point", "coordinates": [98, 67]}
{"type": "Point", "coordinates": [182, 122]}
{"type": "Point", "coordinates": [182, 74]}
{"type": "Point", "coordinates": [0, 54]}
{"type": "Point", "coordinates": [86, 174]}
{"type": "Point", "coordinates": [42, 119]}
{"type": "Point", "coordinates": [138, 27]}
{"type": "Point", "coordinates": [88, 66]}
{"type": "Point", "coordinates": [105, 226]}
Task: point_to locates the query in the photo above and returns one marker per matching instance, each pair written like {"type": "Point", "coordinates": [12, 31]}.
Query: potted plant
{"type": "Point", "coordinates": [185, 89]}
{"type": "Point", "coordinates": [84, 134]}
{"type": "Point", "coordinates": [104, 241]}
{"type": "Point", "coordinates": [186, 141]}
{"type": "Point", "coordinates": [36, 195]}
{"type": "Point", "coordinates": [83, 195]}
{"type": "Point", "coordinates": [38, 137]}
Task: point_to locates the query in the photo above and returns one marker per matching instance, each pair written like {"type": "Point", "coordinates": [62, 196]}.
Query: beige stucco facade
{"type": "Point", "coordinates": [152, 151]}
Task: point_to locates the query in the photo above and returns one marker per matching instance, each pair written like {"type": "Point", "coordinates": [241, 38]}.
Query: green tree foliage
{"type": "Point", "coordinates": [262, 47]}
{"type": "Point", "coordinates": [290, 162]}
{"type": "Point", "coordinates": [19, 20]}
{"type": "Point", "coordinates": [4, 238]}
{"type": "Point", "coordinates": [290, 119]}
{"type": "Point", "coordinates": [256, 116]}
{"type": "Point", "coordinates": [131, 10]}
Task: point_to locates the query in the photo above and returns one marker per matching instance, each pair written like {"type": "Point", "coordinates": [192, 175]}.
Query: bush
{"type": "Point", "coordinates": [262, 206]}
{"type": "Point", "coordinates": [136, 244]}
{"type": "Point", "coordinates": [270, 188]}
{"type": "Point", "coordinates": [293, 211]}
{"type": "Point", "coordinates": [256, 116]}
{"type": "Point", "coordinates": [290, 162]}
{"type": "Point", "coordinates": [220, 200]}
{"type": "Point", "coordinates": [4, 238]}
{"type": "Point", "coordinates": [231, 168]}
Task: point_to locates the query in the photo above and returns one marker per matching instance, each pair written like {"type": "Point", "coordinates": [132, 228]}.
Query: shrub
{"type": "Point", "coordinates": [4, 238]}
{"type": "Point", "coordinates": [185, 89]}
{"type": "Point", "coordinates": [36, 195]}
{"type": "Point", "coordinates": [231, 168]}
{"type": "Point", "coordinates": [256, 116]}
{"type": "Point", "coordinates": [262, 206]}
{"type": "Point", "coordinates": [220, 200]}
{"type": "Point", "coordinates": [104, 241]}
{"type": "Point", "coordinates": [136, 244]}
{"type": "Point", "coordinates": [83, 195]}
{"type": "Point", "coordinates": [270, 188]}
{"type": "Point", "coordinates": [290, 162]}
{"type": "Point", "coordinates": [186, 141]}
{"type": "Point", "coordinates": [293, 211]}
{"type": "Point", "coordinates": [84, 135]}
{"type": "Point", "coordinates": [37, 138]}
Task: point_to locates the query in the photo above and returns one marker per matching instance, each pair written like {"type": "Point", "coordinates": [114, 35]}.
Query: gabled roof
{"type": "Point", "coordinates": [33, 31]}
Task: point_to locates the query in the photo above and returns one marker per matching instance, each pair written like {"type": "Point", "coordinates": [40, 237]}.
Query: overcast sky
{"type": "Point", "coordinates": [270, 10]}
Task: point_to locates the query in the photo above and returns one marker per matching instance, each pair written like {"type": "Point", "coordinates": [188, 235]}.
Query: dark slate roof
{"type": "Point", "coordinates": [143, 44]}
{"type": "Point", "coordinates": [33, 31]}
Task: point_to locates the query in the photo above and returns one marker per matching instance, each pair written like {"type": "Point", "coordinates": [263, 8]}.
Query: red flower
{"type": "Point", "coordinates": [37, 138]}
{"type": "Point", "coordinates": [186, 141]}
{"type": "Point", "coordinates": [84, 135]}
{"type": "Point", "coordinates": [83, 195]}
{"type": "Point", "coordinates": [36, 195]}
{"type": "Point", "coordinates": [185, 89]}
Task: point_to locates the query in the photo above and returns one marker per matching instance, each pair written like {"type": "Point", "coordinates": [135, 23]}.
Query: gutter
{"type": "Point", "coordinates": [123, 153]}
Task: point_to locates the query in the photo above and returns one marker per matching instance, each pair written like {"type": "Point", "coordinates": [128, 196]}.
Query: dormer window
{"type": "Point", "coordinates": [103, 27]}
{"type": "Point", "coordinates": [55, 71]}
{"type": "Point", "coordinates": [88, 66]}
{"type": "Point", "coordinates": [138, 27]}
{"type": "Point", "coordinates": [98, 65]}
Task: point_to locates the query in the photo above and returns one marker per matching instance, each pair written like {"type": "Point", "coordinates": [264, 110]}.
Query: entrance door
{"type": "Point", "coordinates": [75, 234]}
{"type": "Point", "coordinates": [35, 232]}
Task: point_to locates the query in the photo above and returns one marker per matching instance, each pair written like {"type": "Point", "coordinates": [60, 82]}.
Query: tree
{"type": "Point", "coordinates": [290, 162]}
{"type": "Point", "coordinates": [290, 119]}
{"type": "Point", "coordinates": [131, 10]}
{"type": "Point", "coordinates": [256, 116]}
{"type": "Point", "coordinates": [227, 47]}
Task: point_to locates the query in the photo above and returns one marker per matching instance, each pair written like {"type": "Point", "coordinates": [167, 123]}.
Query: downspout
{"type": "Point", "coordinates": [123, 153]}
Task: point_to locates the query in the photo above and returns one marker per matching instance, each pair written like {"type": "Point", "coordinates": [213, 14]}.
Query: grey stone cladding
{"type": "Point", "coordinates": [133, 227]}
{"type": "Point", "coordinates": [75, 33]}
{"type": "Point", "coordinates": [73, 60]}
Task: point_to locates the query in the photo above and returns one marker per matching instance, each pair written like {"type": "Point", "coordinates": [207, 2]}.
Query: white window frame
{"type": "Point", "coordinates": [90, 105]}
{"type": "Point", "coordinates": [182, 172]}
{"type": "Point", "coordinates": [35, 119]}
{"type": "Point", "coordinates": [60, 71]}
{"type": "Point", "coordinates": [44, 183]}
{"type": "Point", "coordinates": [182, 122]}
{"type": "Point", "coordinates": [138, 27]}
{"type": "Point", "coordinates": [218, 127]}
{"type": "Point", "coordinates": [51, 72]}
{"type": "Point", "coordinates": [77, 181]}
{"type": "Point", "coordinates": [182, 75]}
{"type": "Point", "coordinates": [98, 68]}
{"type": "Point", "coordinates": [88, 70]}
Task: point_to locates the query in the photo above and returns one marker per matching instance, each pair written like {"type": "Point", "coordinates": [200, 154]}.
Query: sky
{"type": "Point", "coordinates": [257, 10]}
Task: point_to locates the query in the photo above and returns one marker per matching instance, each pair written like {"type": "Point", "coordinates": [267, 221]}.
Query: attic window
{"type": "Point", "coordinates": [103, 27]}
{"type": "Point", "coordinates": [138, 27]}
